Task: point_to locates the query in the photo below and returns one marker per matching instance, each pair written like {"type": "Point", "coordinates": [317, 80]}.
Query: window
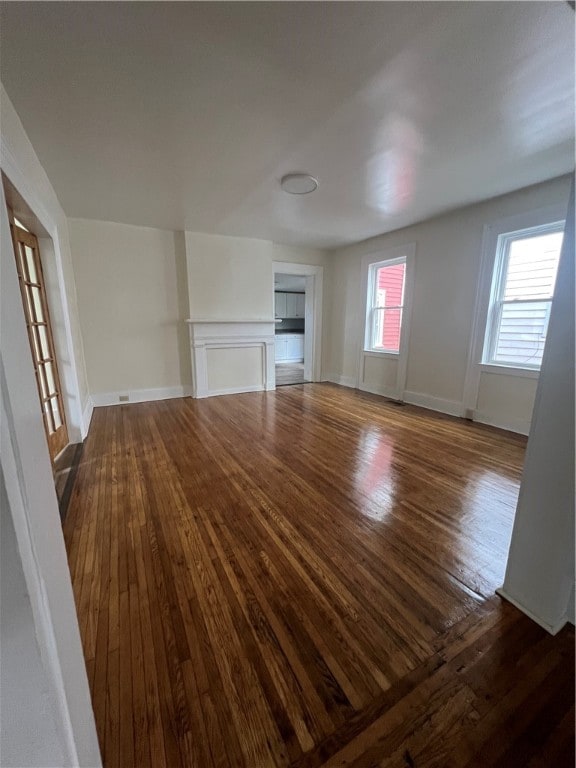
{"type": "Point", "coordinates": [385, 305]}
{"type": "Point", "coordinates": [522, 291]}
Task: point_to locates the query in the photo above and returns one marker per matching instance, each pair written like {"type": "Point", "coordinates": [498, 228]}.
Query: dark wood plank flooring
{"type": "Point", "coordinates": [306, 578]}
{"type": "Point", "coordinates": [64, 469]}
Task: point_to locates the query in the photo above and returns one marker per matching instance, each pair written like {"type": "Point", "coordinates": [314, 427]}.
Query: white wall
{"type": "Point", "coordinates": [129, 282]}
{"type": "Point", "coordinates": [448, 252]}
{"type": "Point", "coordinates": [300, 255]}
{"type": "Point", "coordinates": [137, 286]}
{"type": "Point", "coordinates": [26, 695]}
{"type": "Point", "coordinates": [229, 277]}
{"type": "Point", "coordinates": [540, 571]}
{"type": "Point", "coordinates": [21, 166]}
{"type": "Point", "coordinates": [232, 279]}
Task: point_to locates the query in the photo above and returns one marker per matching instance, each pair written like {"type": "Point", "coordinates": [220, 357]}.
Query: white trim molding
{"type": "Point", "coordinates": [490, 236]}
{"type": "Point", "coordinates": [407, 252]}
{"type": "Point", "coordinates": [314, 275]}
{"type": "Point", "coordinates": [52, 257]}
{"type": "Point", "coordinates": [87, 416]}
{"type": "Point", "coordinates": [32, 502]}
{"type": "Point", "coordinates": [344, 381]}
{"type": "Point", "coordinates": [508, 370]}
{"type": "Point", "coordinates": [230, 334]}
{"type": "Point", "coordinates": [390, 393]}
{"type": "Point", "coordinates": [553, 629]}
{"type": "Point", "coordinates": [520, 426]}
{"type": "Point", "coordinates": [450, 407]}
{"type": "Point", "coordinates": [127, 396]}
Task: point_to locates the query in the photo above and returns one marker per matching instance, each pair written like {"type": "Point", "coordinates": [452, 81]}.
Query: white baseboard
{"type": "Point", "coordinates": [233, 391]}
{"type": "Point", "coordinates": [553, 629]}
{"type": "Point", "coordinates": [139, 395]}
{"type": "Point", "coordinates": [383, 391]}
{"type": "Point", "coordinates": [521, 426]}
{"type": "Point", "coordinates": [344, 381]}
{"type": "Point", "coordinates": [450, 407]}
{"type": "Point", "coordinates": [87, 416]}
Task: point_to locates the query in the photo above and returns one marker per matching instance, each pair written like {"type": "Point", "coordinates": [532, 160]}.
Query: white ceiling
{"type": "Point", "coordinates": [185, 115]}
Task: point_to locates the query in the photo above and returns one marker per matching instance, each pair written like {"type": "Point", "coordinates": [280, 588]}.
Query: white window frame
{"type": "Point", "coordinates": [387, 257]}
{"type": "Point", "coordinates": [543, 217]}
{"type": "Point", "coordinates": [497, 301]}
{"type": "Point", "coordinates": [372, 289]}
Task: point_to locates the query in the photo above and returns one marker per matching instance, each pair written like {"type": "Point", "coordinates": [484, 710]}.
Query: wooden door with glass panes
{"type": "Point", "coordinates": [33, 292]}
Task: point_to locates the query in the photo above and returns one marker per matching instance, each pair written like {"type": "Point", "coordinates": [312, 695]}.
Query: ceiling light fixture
{"type": "Point", "coordinates": [298, 183]}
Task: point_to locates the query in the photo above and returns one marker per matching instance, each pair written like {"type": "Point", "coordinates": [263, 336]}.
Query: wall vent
{"type": "Point", "coordinates": [124, 398]}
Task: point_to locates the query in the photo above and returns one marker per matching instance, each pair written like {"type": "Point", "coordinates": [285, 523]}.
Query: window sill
{"type": "Point", "coordinates": [509, 370]}
{"type": "Point", "coordinates": [375, 353]}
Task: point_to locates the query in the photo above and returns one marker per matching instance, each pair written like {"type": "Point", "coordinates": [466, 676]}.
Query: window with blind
{"type": "Point", "coordinates": [522, 292]}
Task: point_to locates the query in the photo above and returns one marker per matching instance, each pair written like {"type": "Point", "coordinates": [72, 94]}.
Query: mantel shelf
{"type": "Point", "coordinates": [211, 320]}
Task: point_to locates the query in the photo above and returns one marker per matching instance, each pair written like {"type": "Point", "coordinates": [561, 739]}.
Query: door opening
{"type": "Point", "coordinates": [298, 314]}
{"type": "Point", "coordinates": [290, 330]}
{"type": "Point", "coordinates": [37, 315]}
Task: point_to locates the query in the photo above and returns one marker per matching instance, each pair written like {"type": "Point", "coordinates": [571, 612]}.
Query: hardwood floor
{"type": "Point", "coordinates": [289, 373]}
{"type": "Point", "coordinates": [306, 578]}
{"type": "Point", "coordinates": [65, 468]}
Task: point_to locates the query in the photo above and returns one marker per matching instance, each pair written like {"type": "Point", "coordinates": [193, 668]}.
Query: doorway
{"type": "Point", "coordinates": [290, 328]}
{"type": "Point", "coordinates": [298, 322]}
{"type": "Point", "coordinates": [40, 337]}
{"type": "Point", "coordinates": [37, 256]}
{"type": "Point", "coordinates": [64, 456]}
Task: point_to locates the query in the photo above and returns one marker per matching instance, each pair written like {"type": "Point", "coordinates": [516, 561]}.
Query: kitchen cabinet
{"type": "Point", "coordinates": [280, 348]}
{"type": "Point", "coordinates": [289, 305]}
{"type": "Point", "coordinates": [280, 304]}
{"type": "Point", "coordinates": [295, 347]}
{"type": "Point", "coordinates": [289, 347]}
{"type": "Point", "coordinates": [300, 304]}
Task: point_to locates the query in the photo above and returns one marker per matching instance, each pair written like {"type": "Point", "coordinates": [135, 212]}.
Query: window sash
{"type": "Point", "coordinates": [498, 340]}
{"type": "Point", "coordinates": [498, 302]}
{"type": "Point", "coordinates": [374, 314]}
{"type": "Point", "coordinates": [377, 329]}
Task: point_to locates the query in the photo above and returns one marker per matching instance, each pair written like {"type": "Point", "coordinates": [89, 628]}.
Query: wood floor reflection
{"type": "Point", "coordinates": [289, 373]}
{"type": "Point", "coordinates": [306, 578]}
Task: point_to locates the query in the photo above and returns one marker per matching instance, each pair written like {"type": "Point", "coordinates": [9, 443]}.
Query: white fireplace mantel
{"type": "Point", "coordinates": [207, 335]}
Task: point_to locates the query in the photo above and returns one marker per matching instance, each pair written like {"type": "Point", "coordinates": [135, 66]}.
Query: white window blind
{"type": "Point", "coordinates": [523, 288]}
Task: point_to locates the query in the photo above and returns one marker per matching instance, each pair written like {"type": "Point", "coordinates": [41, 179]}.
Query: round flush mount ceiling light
{"type": "Point", "coordinates": [298, 183]}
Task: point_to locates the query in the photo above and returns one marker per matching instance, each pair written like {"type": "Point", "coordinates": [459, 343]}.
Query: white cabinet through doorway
{"type": "Point", "coordinates": [280, 304]}
{"type": "Point", "coordinates": [289, 305]}
{"type": "Point", "coordinates": [295, 304]}
{"type": "Point", "coordinates": [289, 348]}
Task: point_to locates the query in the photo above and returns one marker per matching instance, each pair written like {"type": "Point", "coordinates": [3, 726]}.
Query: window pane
{"type": "Point", "coordinates": [387, 327]}
{"type": "Point", "coordinates": [532, 267]}
{"type": "Point", "coordinates": [43, 333]}
{"type": "Point", "coordinates": [49, 416]}
{"type": "Point", "coordinates": [390, 286]}
{"type": "Point", "coordinates": [31, 264]}
{"type": "Point", "coordinates": [522, 333]}
{"type": "Point", "coordinates": [37, 301]}
{"type": "Point", "coordinates": [19, 224]}
{"type": "Point", "coordinates": [42, 376]}
{"type": "Point", "coordinates": [56, 412]}
{"type": "Point", "coordinates": [36, 349]}
{"type": "Point", "coordinates": [50, 378]}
